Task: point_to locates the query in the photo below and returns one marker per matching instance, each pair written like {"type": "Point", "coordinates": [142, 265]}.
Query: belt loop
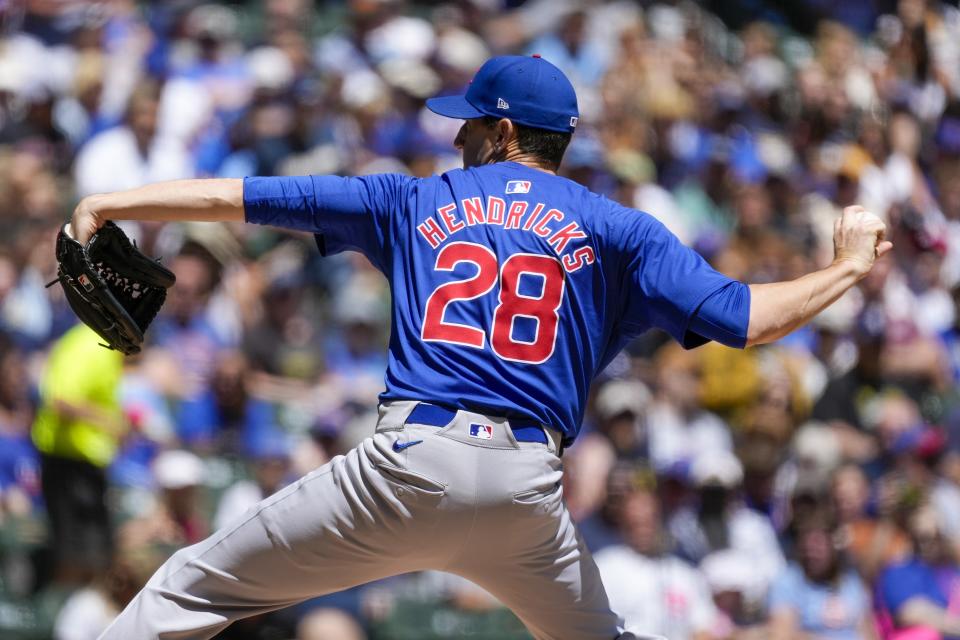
{"type": "Point", "coordinates": [393, 415]}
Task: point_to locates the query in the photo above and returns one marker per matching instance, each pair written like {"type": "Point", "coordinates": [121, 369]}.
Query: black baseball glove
{"type": "Point", "coordinates": [111, 286]}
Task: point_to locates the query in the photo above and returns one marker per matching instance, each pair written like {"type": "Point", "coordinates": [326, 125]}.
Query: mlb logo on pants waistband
{"type": "Point", "coordinates": [481, 431]}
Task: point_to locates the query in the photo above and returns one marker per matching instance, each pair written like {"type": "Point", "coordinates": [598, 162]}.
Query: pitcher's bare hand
{"type": "Point", "coordinates": [858, 238]}
{"type": "Point", "coordinates": [85, 221]}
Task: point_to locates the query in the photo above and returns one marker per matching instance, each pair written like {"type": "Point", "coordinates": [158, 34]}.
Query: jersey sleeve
{"type": "Point", "coordinates": [672, 287]}
{"type": "Point", "coordinates": [345, 213]}
{"type": "Point", "coordinates": [724, 316]}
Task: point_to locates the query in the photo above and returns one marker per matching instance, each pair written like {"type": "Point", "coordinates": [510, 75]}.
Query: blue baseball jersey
{"type": "Point", "coordinates": [511, 287]}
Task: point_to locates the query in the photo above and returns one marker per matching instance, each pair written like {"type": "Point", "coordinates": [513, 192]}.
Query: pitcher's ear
{"type": "Point", "coordinates": [505, 130]}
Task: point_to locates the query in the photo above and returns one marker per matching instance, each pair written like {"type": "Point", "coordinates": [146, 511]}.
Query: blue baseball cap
{"type": "Point", "coordinates": [525, 89]}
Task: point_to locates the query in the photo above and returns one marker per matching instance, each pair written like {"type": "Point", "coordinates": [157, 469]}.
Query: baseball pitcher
{"type": "Point", "coordinates": [512, 287]}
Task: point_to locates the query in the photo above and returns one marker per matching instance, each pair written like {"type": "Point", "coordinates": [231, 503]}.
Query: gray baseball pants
{"type": "Point", "coordinates": [488, 510]}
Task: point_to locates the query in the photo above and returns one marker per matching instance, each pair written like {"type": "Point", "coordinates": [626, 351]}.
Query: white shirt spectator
{"type": "Point", "coordinates": [750, 533]}
{"type": "Point", "coordinates": [235, 501]}
{"type": "Point", "coordinates": [674, 440]}
{"type": "Point", "coordinates": [84, 616]}
{"type": "Point", "coordinates": [658, 202]}
{"type": "Point", "coordinates": [656, 595]}
{"type": "Point", "coordinates": [112, 162]}
{"type": "Point", "coordinates": [930, 312]}
{"type": "Point", "coordinates": [945, 497]}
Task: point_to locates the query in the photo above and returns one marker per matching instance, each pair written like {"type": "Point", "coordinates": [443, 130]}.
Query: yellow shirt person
{"type": "Point", "coordinates": [80, 416]}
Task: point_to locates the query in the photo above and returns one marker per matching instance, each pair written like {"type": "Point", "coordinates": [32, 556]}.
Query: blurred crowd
{"type": "Point", "coordinates": [806, 489]}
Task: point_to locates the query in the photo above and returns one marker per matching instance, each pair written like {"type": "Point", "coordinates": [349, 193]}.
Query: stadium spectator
{"type": "Point", "coordinates": [324, 624]}
{"type": "Point", "coordinates": [185, 328]}
{"type": "Point", "coordinates": [719, 520]}
{"type": "Point", "coordinates": [917, 595]}
{"type": "Point", "coordinates": [222, 416]}
{"type": "Point", "coordinates": [871, 536]}
{"type": "Point", "coordinates": [653, 590]}
{"type": "Point", "coordinates": [286, 342]}
{"type": "Point", "coordinates": [19, 461]}
{"type": "Point", "coordinates": [77, 431]}
{"type": "Point", "coordinates": [132, 154]}
{"type": "Point", "coordinates": [266, 449]}
{"type": "Point", "coordinates": [175, 517]}
{"type": "Point", "coordinates": [620, 407]}
{"type": "Point", "coordinates": [681, 430]}
{"type": "Point", "coordinates": [585, 476]}
{"type": "Point", "coordinates": [729, 581]}
{"type": "Point", "coordinates": [818, 594]}
{"type": "Point", "coordinates": [90, 610]}
{"type": "Point", "coordinates": [603, 526]}
{"type": "Point", "coordinates": [743, 126]}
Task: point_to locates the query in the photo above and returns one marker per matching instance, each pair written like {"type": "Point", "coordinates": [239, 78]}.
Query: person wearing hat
{"type": "Point", "coordinates": [175, 516]}
{"type": "Point", "coordinates": [720, 520]}
{"type": "Point", "coordinates": [512, 288]}
{"type": "Point", "coordinates": [621, 410]}
{"type": "Point", "coordinates": [730, 579]}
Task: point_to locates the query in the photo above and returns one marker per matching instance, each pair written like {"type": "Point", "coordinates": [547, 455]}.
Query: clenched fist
{"type": "Point", "coordinates": [858, 238]}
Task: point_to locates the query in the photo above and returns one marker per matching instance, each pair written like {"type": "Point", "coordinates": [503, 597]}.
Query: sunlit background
{"type": "Point", "coordinates": [806, 487]}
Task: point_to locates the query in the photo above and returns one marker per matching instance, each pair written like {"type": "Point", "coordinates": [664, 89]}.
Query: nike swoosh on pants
{"type": "Point", "coordinates": [400, 446]}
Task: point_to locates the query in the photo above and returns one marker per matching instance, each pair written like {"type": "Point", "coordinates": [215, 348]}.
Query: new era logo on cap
{"type": "Point", "coordinates": [502, 104]}
{"type": "Point", "coordinates": [518, 186]}
{"type": "Point", "coordinates": [574, 120]}
{"type": "Point", "coordinates": [481, 431]}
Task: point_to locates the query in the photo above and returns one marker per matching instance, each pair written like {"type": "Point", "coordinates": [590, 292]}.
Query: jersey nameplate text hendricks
{"type": "Point", "coordinates": [521, 216]}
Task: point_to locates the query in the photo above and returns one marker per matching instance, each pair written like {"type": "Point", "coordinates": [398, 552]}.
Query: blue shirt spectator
{"type": "Point", "coordinates": [922, 593]}
{"type": "Point", "coordinates": [818, 596]}
{"type": "Point", "coordinates": [823, 610]}
{"type": "Point", "coordinates": [19, 466]}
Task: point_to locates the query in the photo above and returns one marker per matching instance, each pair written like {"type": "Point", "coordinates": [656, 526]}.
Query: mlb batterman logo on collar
{"type": "Point", "coordinates": [527, 89]}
